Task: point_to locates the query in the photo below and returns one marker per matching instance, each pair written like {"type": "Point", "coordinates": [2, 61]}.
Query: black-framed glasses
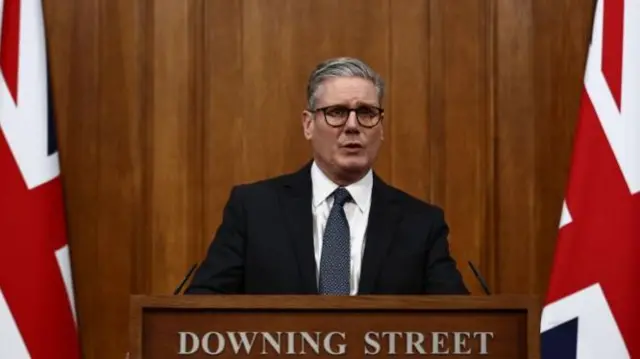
{"type": "Point", "coordinates": [337, 115]}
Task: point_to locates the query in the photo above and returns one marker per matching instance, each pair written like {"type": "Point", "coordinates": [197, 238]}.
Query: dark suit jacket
{"type": "Point", "coordinates": [265, 243]}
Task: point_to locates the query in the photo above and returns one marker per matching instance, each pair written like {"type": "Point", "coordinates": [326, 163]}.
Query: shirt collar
{"type": "Point", "coordinates": [323, 187]}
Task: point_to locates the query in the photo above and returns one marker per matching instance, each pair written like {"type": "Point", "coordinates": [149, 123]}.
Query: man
{"type": "Point", "coordinates": [333, 227]}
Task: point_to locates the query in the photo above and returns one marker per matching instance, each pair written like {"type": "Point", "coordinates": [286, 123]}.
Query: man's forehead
{"type": "Point", "coordinates": [347, 82]}
{"type": "Point", "coordinates": [347, 88]}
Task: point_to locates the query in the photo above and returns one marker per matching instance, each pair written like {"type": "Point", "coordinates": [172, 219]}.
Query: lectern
{"type": "Point", "coordinates": [244, 326]}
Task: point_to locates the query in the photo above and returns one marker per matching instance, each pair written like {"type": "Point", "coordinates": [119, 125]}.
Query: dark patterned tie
{"type": "Point", "coordinates": [335, 261]}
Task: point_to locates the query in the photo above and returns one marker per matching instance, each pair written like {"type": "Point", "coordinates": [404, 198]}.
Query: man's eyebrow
{"type": "Point", "coordinates": [360, 103]}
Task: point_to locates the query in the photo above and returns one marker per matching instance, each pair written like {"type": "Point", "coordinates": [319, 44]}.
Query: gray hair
{"type": "Point", "coordinates": [341, 67]}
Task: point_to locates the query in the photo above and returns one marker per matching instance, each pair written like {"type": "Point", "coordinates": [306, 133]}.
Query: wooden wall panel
{"type": "Point", "coordinates": [174, 141]}
{"type": "Point", "coordinates": [407, 119]}
{"type": "Point", "coordinates": [120, 167]}
{"type": "Point", "coordinates": [226, 161]}
{"type": "Point", "coordinates": [459, 120]}
{"type": "Point", "coordinates": [163, 105]}
{"type": "Point", "coordinates": [515, 161]}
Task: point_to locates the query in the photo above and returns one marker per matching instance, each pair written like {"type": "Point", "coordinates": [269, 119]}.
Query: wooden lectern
{"type": "Point", "coordinates": [245, 326]}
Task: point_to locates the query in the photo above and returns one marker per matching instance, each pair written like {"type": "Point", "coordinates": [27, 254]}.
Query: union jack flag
{"type": "Point", "coordinates": [592, 308]}
{"type": "Point", "coordinates": [37, 310]}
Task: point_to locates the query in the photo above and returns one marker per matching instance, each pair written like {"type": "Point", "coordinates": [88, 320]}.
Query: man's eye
{"type": "Point", "coordinates": [367, 112]}
{"type": "Point", "coordinates": [337, 112]}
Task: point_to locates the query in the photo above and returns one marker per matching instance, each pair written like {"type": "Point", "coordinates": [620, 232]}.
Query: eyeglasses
{"type": "Point", "coordinates": [337, 115]}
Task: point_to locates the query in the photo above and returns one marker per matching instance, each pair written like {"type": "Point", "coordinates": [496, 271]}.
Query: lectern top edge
{"type": "Point", "coordinates": [503, 302]}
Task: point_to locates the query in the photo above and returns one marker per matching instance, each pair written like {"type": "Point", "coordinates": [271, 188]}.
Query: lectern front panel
{"type": "Point", "coordinates": [355, 327]}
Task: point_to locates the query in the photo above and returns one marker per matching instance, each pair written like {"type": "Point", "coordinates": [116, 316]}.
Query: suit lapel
{"type": "Point", "coordinates": [383, 219]}
{"type": "Point", "coordinates": [296, 201]}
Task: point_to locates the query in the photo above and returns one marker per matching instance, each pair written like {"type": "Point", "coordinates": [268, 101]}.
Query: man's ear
{"type": "Point", "coordinates": [307, 124]}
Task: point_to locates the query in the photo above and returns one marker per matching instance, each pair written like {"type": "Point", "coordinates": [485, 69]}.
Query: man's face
{"type": "Point", "coordinates": [345, 150]}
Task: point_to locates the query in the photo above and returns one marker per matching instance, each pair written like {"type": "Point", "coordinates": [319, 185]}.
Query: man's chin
{"type": "Point", "coordinates": [353, 165]}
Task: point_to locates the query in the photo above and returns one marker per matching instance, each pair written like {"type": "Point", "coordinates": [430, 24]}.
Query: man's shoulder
{"type": "Point", "coordinates": [266, 185]}
{"type": "Point", "coordinates": [412, 204]}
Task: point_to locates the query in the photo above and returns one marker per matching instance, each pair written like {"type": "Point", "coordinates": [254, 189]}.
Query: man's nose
{"type": "Point", "coordinates": [352, 120]}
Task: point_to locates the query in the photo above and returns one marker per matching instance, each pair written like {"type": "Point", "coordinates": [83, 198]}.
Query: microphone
{"type": "Point", "coordinates": [480, 279]}
{"type": "Point", "coordinates": [177, 291]}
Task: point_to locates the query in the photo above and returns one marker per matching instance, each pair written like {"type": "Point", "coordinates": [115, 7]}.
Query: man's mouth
{"type": "Point", "coordinates": [352, 145]}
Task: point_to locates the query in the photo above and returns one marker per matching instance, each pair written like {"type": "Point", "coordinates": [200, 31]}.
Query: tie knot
{"type": "Point", "coordinates": [341, 196]}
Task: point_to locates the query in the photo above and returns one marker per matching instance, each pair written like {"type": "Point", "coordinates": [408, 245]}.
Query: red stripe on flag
{"type": "Point", "coordinates": [9, 42]}
{"type": "Point", "coordinates": [31, 229]}
{"type": "Point", "coordinates": [612, 46]}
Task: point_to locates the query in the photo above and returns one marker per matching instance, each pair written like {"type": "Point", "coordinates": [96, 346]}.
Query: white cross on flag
{"type": "Point", "coordinates": [37, 310]}
{"type": "Point", "coordinates": [592, 309]}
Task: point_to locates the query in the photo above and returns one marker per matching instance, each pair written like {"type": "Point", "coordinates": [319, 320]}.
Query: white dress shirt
{"type": "Point", "coordinates": [357, 212]}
